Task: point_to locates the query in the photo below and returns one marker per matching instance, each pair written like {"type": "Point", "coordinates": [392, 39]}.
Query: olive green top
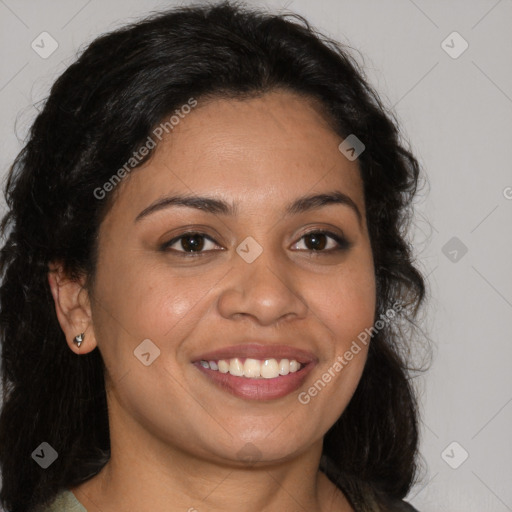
{"type": "Point", "coordinates": [65, 502]}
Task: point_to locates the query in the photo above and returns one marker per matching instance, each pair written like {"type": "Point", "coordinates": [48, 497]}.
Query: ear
{"type": "Point", "coordinates": [73, 308]}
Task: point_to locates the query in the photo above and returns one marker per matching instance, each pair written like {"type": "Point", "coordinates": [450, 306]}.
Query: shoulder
{"type": "Point", "coordinates": [65, 501]}
{"type": "Point", "coordinates": [395, 505]}
{"type": "Point", "coordinates": [361, 495]}
{"type": "Point", "coordinates": [402, 506]}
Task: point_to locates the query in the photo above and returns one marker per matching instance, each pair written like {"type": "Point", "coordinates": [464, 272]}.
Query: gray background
{"type": "Point", "coordinates": [457, 113]}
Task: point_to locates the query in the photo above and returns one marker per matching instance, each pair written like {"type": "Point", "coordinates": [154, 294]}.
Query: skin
{"type": "Point", "coordinates": [175, 436]}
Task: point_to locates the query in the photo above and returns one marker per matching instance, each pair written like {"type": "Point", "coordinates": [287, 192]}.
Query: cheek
{"type": "Point", "coordinates": [141, 301]}
{"type": "Point", "coordinates": [345, 313]}
{"type": "Point", "coordinates": [346, 300]}
{"type": "Point", "coordinates": [148, 299]}
{"type": "Point", "coordinates": [352, 310]}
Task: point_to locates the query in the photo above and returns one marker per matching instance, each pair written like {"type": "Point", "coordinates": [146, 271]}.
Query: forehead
{"type": "Point", "coordinates": [264, 150]}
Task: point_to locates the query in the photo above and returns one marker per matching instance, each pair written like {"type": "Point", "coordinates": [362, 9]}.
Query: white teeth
{"type": "Point", "coordinates": [223, 366]}
{"type": "Point", "coordinates": [269, 369]}
{"type": "Point", "coordinates": [294, 366]}
{"type": "Point", "coordinates": [284, 367]}
{"type": "Point", "coordinates": [254, 368]}
{"type": "Point", "coordinates": [236, 367]}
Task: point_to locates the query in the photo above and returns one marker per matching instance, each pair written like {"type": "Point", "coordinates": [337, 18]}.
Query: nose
{"type": "Point", "coordinates": [265, 290]}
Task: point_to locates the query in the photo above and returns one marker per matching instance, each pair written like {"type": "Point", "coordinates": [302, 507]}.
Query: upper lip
{"type": "Point", "coordinates": [259, 351]}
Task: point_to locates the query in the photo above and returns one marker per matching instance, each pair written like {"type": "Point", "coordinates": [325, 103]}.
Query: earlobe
{"type": "Point", "coordinates": [73, 309]}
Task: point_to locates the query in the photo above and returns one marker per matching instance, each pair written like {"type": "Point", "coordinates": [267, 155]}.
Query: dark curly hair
{"type": "Point", "coordinates": [99, 111]}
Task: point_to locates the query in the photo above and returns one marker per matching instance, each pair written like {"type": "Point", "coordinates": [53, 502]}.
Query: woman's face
{"type": "Point", "coordinates": [252, 280]}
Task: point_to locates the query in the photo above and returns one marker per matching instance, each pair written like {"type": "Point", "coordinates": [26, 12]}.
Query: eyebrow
{"type": "Point", "coordinates": [218, 206]}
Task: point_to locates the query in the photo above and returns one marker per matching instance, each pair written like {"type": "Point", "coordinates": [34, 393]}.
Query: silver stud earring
{"type": "Point", "coordinates": [77, 340]}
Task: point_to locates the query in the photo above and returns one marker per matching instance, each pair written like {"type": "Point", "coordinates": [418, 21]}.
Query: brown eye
{"type": "Point", "coordinates": [190, 244]}
{"type": "Point", "coordinates": [318, 241]}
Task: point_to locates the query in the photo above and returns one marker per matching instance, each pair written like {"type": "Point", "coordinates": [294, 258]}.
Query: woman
{"type": "Point", "coordinates": [206, 280]}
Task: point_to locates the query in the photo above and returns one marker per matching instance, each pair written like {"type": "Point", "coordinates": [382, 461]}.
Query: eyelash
{"type": "Point", "coordinates": [343, 243]}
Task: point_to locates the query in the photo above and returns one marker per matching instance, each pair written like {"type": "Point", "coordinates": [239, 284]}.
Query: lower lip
{"type": "Point", "coordinates": [258, 389]}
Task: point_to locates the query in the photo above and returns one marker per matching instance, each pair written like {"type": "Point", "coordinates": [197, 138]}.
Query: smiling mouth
{"type": "Point", "coordinates": [254, 371]}
{"type": "Point", "coordinates": [253, 368]}
{"type": "Point", "coordinates": [269, 385]}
